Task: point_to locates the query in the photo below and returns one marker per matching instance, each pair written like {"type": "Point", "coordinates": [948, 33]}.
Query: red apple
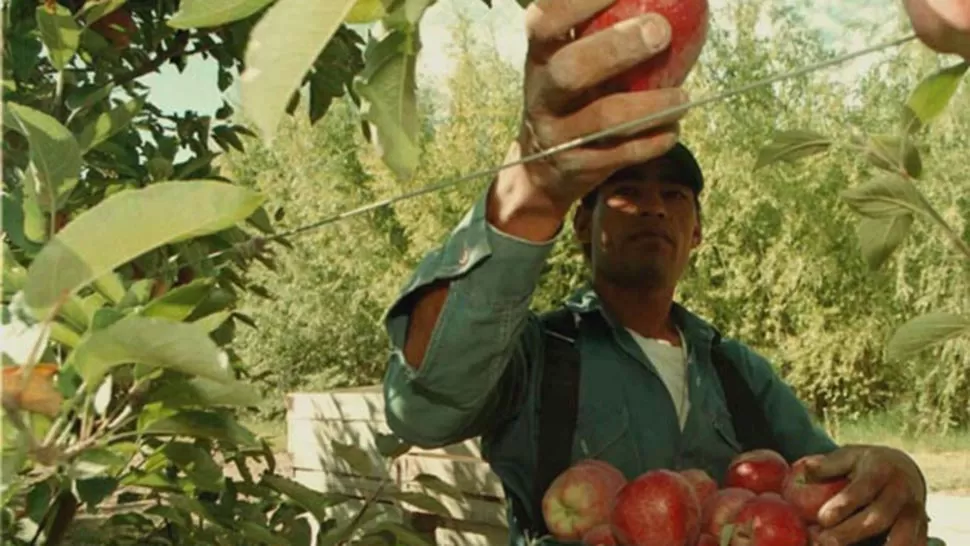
{"type": "Point", "coordinates": [601, 535]}
{"type": "Point", "coordinates": [658, 508]}
{"type": "Point", "coordinates": [707, 540]}
{"type": "Point", "coordinates": [702, 482]}
{"type": "Point", "coordinates": [809, 496]}
{"type": "Point", "coordinates": [759, 470]}
{"type": "Point", "coordinates": [721, 507]}
{"type": "Point", "coordinates": [769, 521]}
{"type": "Point", "coordinates": [689, 21]}
{"type": "Point", "coordinates": [580, 498]}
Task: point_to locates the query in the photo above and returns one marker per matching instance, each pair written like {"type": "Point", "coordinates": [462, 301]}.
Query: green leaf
{"type": "Point", "coordinates": [727, 533]}
{"type": "Point", "coordinates": [281, 49]}
{"type": "Point", "coordinates": [387, 91]}
{"type": "Point", "coordinates": [356, 457]}
{"type": "Point", "coordinates": [54, 154]}
{"type": "Point", "coordinates": [178, 303]}
{"type": "Point", "coordinates": [213, 321]}
{"type": "Point", "coordinates": [880, 237]}
{"type": "Point", "coordinates": [791, 145]}
{"type": "Point", "coordinates": [391, 446]}
{"type": "Point", "coordinates": [932, 95]}
{"type": "Point", "coordinates": [203, 392]}
{"type": "Point", "coordinates": [925, 331]}
{"type": "Point", "coordinates": [421, 501]}
{"type": "Point", "coordinates": [59, 32]}
{"type": "Point", "coordinates": [894, 153]}
{"type": "Point", "coordinates": [109, 123]}
{"type": "Point", "coordinates": [404, 536]}
{"type": "Point", "coordinates": [260, 534]}
{"type": "Point", "coordinates": [204, 13]}
{"type": "Point", "coordinates": [152, 342]}
{"type": "Point", "coordinates": [886, 196]}
{"type": "Point", "coordinates": [88, 96]}
{"type": "Point", "coordinates": [197, 464]}
{"type": "Point", "coordinates": [438, 485]}
{"type": "Point", "coordinates": [135, 221]}
{"type": "Point", "coordinates": [96, 9]}
{"type": "Point", "coordinates": [205, 424]}
{"type": "Point", "coordinates": [94, 490]}
{"type": "Point", "coordinates": [311, 500]}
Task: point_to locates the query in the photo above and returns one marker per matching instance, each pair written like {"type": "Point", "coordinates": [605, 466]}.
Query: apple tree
{"type": "Point", "coordinates": [125, 253]}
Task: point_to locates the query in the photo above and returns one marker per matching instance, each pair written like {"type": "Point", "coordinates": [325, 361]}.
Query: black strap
{"type": "Point", "coordinates": [750, 422]}
{"type": "Point", "coordinates": [558, 407]}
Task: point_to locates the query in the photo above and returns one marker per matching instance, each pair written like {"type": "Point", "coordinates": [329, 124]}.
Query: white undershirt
{"type": "Point", "coordinates": [671, 363]}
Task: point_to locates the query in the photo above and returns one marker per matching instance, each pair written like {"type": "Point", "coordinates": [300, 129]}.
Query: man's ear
{"type": "Point", "coordinates": [582, 224]}
{"type": "Point", "coordinates": [697, 237]}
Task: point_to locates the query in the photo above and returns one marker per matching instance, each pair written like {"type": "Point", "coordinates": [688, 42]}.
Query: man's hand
{"type": "Point", "coordinates": [565, 98]}
{"type": "Point", "coordinates": [943, 25]}
{"type": "Point", "coordinates": [886, 492]}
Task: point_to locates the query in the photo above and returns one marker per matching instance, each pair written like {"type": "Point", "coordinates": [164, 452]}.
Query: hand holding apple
{"type": "Point", "coordinates": [885, 492]}
{"type": "Point", "coordinates": [565, 98]}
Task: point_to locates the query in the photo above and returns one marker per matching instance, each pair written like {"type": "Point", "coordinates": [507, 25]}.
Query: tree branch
{"type": "Point", "coordinates": [160, 59]}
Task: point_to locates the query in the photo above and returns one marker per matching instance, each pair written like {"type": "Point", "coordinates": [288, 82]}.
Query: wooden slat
{"type": "Point", "coordinates": [308, 442]}
{"type": "Point", "coordinates": [469, 475]}
{"type": "Point", "coordinates": [475, 510]}
{"type": "Point", "coordinates": [357, 404]}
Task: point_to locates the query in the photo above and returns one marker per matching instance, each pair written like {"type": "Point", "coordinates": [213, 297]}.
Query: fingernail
{"type": "Point", "coordinates": [655, 31]}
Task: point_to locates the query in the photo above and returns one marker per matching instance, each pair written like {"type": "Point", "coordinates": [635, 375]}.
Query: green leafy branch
{"type": "Point", "coordinates": [889, 203]}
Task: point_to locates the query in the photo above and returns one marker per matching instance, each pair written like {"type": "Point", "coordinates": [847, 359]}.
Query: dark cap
{"type": "Point", "coordinates": [685, 169]}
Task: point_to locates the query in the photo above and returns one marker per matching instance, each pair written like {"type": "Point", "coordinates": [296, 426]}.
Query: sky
{"type": "Point", "coordinates": [503, 26]}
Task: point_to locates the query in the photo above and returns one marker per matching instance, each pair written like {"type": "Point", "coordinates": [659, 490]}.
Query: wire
{"type": "Point", "coordinates": [256, 244]}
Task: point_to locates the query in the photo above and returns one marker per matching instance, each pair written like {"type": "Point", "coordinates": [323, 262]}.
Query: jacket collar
{"type": "Point", "coordinates": [586, 301]}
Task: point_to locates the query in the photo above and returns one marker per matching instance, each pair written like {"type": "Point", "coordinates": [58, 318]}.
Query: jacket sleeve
{"type": "Point", "coordinates": [791, 422]}
{"type": "Point", "coordinates": [476, 366]}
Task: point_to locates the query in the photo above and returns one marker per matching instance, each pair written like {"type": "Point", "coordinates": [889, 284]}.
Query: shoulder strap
{"type": "Point", "coordinates": [558, 406]}
{"type": "Point", "coordinates": [750, 423]}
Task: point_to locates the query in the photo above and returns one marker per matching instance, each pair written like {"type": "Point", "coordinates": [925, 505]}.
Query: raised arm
{"type": "Point", "coordinates": [461, 331]}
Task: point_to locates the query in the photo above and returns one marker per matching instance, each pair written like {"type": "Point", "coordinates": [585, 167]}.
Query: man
{"type": "Point", "coordinates": [468, 354]}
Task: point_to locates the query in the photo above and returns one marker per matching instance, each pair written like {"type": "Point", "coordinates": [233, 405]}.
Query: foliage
{"type": "Point", "coordinates": [126, 254]}
{"type": "Point", "coordinates": [780, 267]}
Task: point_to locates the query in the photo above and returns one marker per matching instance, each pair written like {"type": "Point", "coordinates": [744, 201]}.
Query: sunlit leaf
{"type": "Point", "coordinates": [880, 237]}
{"type": "Point", "coordinates": [203, 392]}
{"type": "Point", "coordinates": [153, 342]}
{"type": "Point", "coordinates": [54, 153]}
{"type": "Point", "coordinates": [893, 153]}
{"type": "Point", "coordinates": [281, 49]}
{"type": "Point", "coordinates": [135, 221]}
{"type": "Point", "coordinates": [932, 95]}
{"type": "Point", "coordinates": [205, 424]}
{"type": "Point", "coordinates": [59, 32]}
{"type": "Point", "coordinates": [387, 88]}
{"type": "Point", "coordinates": [790, 146]}
{"type": "Point", "coordinates": [178, 303]}
{"type": "Point", "coordinates": [109, 123]}
{"type": "Point", "coordinates": [206, 13]}
{"type": "Point", "coordinates": [885, 196]}
{"type": "Point", "coordinates": [925, 331]}
{"type": "Point", "coordinates": [404, 536]}
{"type": "Point", "coordinates": [314, 501]}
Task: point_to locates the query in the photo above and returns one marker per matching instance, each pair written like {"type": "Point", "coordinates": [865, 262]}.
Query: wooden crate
{"type": "Point", "coordinates": [356, 416]}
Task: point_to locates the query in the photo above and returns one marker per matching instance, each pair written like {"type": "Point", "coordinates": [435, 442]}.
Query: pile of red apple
{"type": "Point", "coordinates": [764, 502]}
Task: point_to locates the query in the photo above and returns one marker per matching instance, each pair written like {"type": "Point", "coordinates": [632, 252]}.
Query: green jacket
{"type": "Point", "coordinates": [480, 373]}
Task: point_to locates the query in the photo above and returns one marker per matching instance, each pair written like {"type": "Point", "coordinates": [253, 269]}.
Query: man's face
{"type": "Point", "coordinates": [642, 228]}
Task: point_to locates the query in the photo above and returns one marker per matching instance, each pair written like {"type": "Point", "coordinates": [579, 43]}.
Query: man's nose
{"type": "Point", "coordinates": [651, 204]}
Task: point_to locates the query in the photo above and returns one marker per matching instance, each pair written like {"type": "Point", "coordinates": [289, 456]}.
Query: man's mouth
{"type": "Point", "coordinates": [649, 234]}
